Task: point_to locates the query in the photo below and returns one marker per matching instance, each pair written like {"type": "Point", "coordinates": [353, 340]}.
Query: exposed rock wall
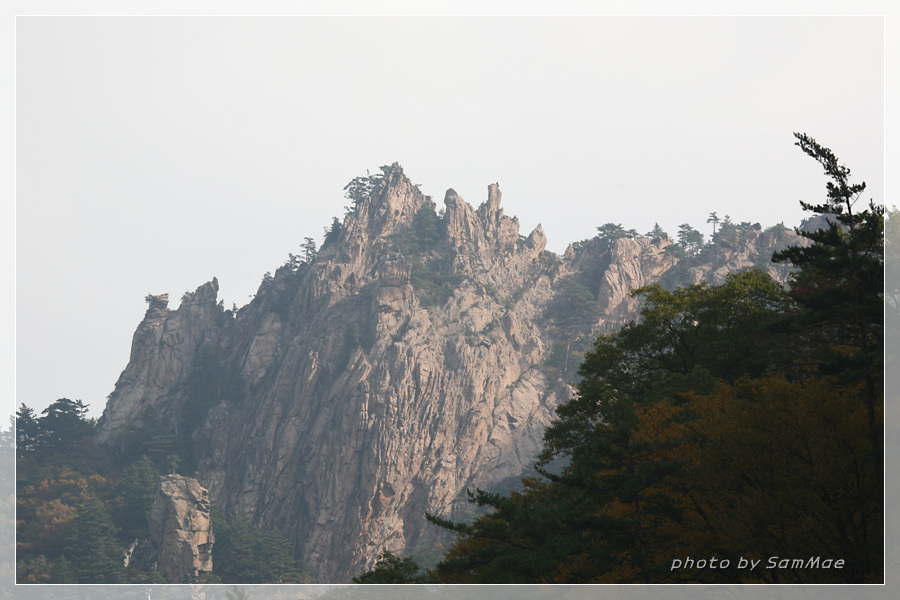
{"type": "Point", "coordinates": [163, 350]}
{"type": "Point", "coordinates": [382, 380]}
{"type": "Point", "coordinates": [180, 529]}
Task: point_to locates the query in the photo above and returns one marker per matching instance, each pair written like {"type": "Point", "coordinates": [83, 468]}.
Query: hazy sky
{"type": "Point", "coordinates": [154, 153]}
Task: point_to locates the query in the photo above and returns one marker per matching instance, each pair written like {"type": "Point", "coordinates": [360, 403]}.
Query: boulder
{"type": "Point", "coordinates": [180, 528]}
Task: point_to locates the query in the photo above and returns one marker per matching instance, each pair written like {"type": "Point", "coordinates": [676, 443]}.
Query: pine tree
{"type": "Point", "coordinates": [64, 424]}
{"type": "Point", "coordinates": [334, 233]}
{"type": "Point", "coordinates": [611, 231]}
{"type": "Point", "coordinates": [392, 569]}
{"type": "Point", "coordinates": [92, 544]}
{"type": "Point", "coordinates": [309, 250]}
{"type": "Point", "coordinates": [135, 493]}
{"type": "Point", "coordinates": [690, 239]}
{"type": "Point", "coordinates": [27, 431]}
{"type": "Point", "coordinates": [657, 232]}
{"type": "Point", "coordinates": [714, 219]}
{"type": "Point", "coordinates": [838, 287]}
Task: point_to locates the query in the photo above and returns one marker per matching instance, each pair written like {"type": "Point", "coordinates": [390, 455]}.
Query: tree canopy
{"type": "Point", "coordinates": [731, 423]}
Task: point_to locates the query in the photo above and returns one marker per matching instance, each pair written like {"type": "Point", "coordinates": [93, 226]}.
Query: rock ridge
{"type": "Point", "coordinates": [415, 357]}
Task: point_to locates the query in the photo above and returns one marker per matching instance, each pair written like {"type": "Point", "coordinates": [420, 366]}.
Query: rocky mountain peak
{"type": "Point", "coordinates": [145, 386]}
{"type": "Point", "coordinates": [390, 207]}
{"type": "Point", "coordinates": [491, 207]}
{"type": "Point", "coordinates": [418, 355]}
{"type": "Point", "coordinates": [537, 239]}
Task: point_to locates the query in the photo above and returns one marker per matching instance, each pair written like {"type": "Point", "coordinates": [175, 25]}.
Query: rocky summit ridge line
{"type": "Point", "coordinates": [415, 356]}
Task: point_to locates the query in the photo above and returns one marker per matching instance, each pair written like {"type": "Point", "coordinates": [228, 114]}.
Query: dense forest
{"type": "Point", "coordinates": [78, 505]}
{"type": "Point", "coordinates": [733, 434]}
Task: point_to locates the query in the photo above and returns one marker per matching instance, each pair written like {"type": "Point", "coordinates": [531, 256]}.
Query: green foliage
{"type": "Point", "coordinates": [64, 533]}
{"type": "Point", "coordinates": [777, 228]}
{"type": "Point", "coordinates": [551, 261]}
{"type": "Point", "coordinates": [611, 231]}
{"type": "Point", "coordinates": [134, 494]}
{"type": "Point", "coordinates": [690, 239]}
{"type": "Point", "coordinates": [731, 421]}
{"type": "Point", "coordinates": [64, 424]}
{"type": "Point", "coordinates": [685, 340]}
{"type": "Point", "coordinates": [244, 554]}
{"type": "Point", "coordinates": [580, 244]}
{"type": "Point", "coordinates": [675, 250]}
{"type": "Point", "coordinates": [208, 383]}
{"type": "Point", "coordinates": [92, 546]}
{"type": "Point", "coordinates": [358, 190]}
{"type": "Point", "coordinates": [424, 234]}
{"type": "Point", "coordinates": [574, 312]}
{"type": "Point", "coordinates": [714, 219]}
{"type": "Point", "coordinates": [393, 569]}
{"type": "Point", "coordinates": [517, 542]}
{"type": "Point", "coordinates": [75, 511]}
{"type": "Point", "coordinates": [657, 232]}
{"type": "Point", "coordinates": [309, 250]}
{"type": "Point", "coordinates": [44, 570]}
{"type": "Point", "coordinates": [838, 288]}
{"type": "Point", "coordinates": [427, 227]}
{"type": "Point", "coordinates": [60, 439]}
{"type": "Point", "coordinates": [333, 233]}
{"type": "Point", "coordinates": [27, 431]}
{"type": "Point", "coordinates": [432, 286]}
{"type": "Point", "coordinates": [421, 243]}
{"type": "Point", "coordinates": [155, 440]}
{"type": "Point", "coordinates": [573, 308]}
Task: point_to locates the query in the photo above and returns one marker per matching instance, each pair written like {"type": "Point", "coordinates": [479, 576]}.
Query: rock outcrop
{"type": "Point", "coordinates": [410, 361]}
{"type": "Point", "coordinates": [181, 534]}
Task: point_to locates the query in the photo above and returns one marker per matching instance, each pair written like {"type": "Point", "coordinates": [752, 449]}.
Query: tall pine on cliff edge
{"type": "Point", "coordinates": [733, 421]}
{"type": "Point", "coordinates": [839, 287]}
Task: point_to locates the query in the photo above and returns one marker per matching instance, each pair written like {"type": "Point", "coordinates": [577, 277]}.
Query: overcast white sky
{"type": "Point", "coordinates": [154, 153]}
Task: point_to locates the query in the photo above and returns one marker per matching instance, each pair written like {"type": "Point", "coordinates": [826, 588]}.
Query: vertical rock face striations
{"type": "Point", "coordinates": [412, 359]}
{"type": "Point", "coordinates": [180, 530]}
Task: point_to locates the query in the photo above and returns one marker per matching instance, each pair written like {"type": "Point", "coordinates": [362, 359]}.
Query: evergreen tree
{"type": "Point", "coordinates": [726, 422]}
{"type": "Point", "coordinates": [334, 233]}
{"type": "Point", "coordinates": [64, 424]}
{"type": "Point", "coordinates": [838, 287]}
{"type": "Point", "coordinates": [92, 545]}
{"type": "Point", "coordinates": [657, 232]}
{"type": "Point", "coordinates": [356, 191]}
{"type": "Point", "coordinates": [714, 219]}
{"type": "Point", "coordinates": [27, 431]}
{"type": "Point", "coordinates": [244, 554]}
{"type": "Point", "coordinates": [309, 250]}
{"type": "Point", "coordinates": [599, 519]}
{"type": "Point", "coordinates": [575, 312]}
{"type": "Point", "coordinates": [427, 227]}
{"type": "Point", "coordinates": [611, 231]}
{"type": "Point", "coordinates": [690, 239]}
{"type": "Point", "coordinates": [392, 569]}
{"type": "Point", "coordinates": [135, 493]}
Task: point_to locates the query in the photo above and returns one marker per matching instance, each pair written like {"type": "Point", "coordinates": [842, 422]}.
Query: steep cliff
{"type": "Point", "coordinates": [416, 356]}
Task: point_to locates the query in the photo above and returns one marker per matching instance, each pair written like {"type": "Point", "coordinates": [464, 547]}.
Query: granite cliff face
{"type": "Point", "coordinates": [416, 356]}
{"type": "Point", "coordinates": [180, 528]}
{"type": "Point", "coordinates": [181, 539]}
